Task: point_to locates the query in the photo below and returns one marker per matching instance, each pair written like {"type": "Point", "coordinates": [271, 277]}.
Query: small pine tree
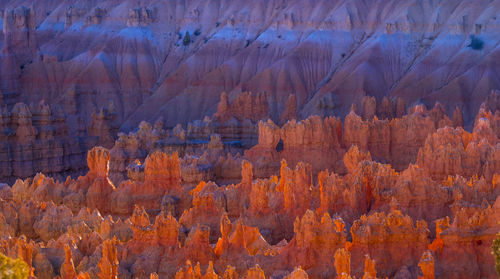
{"type": "Point", "coordinates": [13, 268]}
{"type": "Point", "coordinates": [496, 253]}
{"type": "Point", "coordinates": [476, 43]}
{"type": "Point", "coordinates": [187, 39]}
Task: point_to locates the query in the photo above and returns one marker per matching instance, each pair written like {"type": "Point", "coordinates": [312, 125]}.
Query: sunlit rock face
{"type": "Point", "coordinates": [250, 139]}
{"type": "Point", "coordinates": [429, 220]}
{"type": "Point", "coordinates": [221, 67]}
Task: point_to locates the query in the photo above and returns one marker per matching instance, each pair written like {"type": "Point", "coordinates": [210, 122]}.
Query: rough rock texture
{"type": "Point", "coordinates": [322, 142]}
{"type": "Point", "coordinates": [153, 58]}
{"type": "Point", "coordinates": [162, 178]}
{"type": "Point", "coordinates": [109, 66]}
{"type": "Point", "coordinates": [382, 163]}
{"type": "Point", "coordinates": [395, 141]}
{"type": "Point", "coordinates": [211, 149]}
{"type": "Point", "coordinates": [204, 153]}
{"type": "Point", "coordinates": [245, 106]}
{"type": "Point", "coordinates": [368, 222]}
{"type": "Point", "coordinates": [454, 151]}
{"type": "Point", "coordinates": [392, 240]}
{"type": "Point", "coordinates": [35, 139]}
{"type": "Point", "coordinates": [314, 140]}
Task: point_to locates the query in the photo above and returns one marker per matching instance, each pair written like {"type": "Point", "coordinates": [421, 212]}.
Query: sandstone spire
{"type": "Point", "coordinates": [426, 265]}
{"type": "Point", "coordinates": [68, 268]}
{"type": "Point", "coordinates": [108, 264]}
{"type": "Point", "coordinates": [342, 262]}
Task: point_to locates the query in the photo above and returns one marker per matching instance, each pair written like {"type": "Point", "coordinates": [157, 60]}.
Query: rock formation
{"type": "Point", "coordinates": [371, 222]}
{"type": "Point", "coordinates": [295, 141]}
{"type": "Point", "coordinates": [396, 141]}
{"type": "Point", "coordinates": [454, 151]}
{"type": "Point", "coordinates": [146, 61]}
{"type": "Point", "coordinates": [245, 106]}
{"type": "Point", "coordinates": [152, 59]}
{"type": "Point", "coordinates": [35, 139]}
{"type": "Point", "coordinates": [364, 153]}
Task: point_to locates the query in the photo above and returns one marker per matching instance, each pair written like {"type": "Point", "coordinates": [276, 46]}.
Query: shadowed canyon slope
{"type": "Point", "coordinates": [82, 55]}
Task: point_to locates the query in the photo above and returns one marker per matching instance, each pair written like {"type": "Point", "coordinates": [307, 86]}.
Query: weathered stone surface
{"type": "Point", "coordinates": [36, 139]}
{"type": "Point", "coordinates": [357, 207]}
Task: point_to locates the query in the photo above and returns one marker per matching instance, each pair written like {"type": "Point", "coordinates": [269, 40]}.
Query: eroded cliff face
{"type": "Point", "coordinates": [152, 58]}
{"type": "Point", "coordinates": [211, 149]}
{"type": "Point", "coordinates": [315, 140]}
{"type": "Point", "coordinates": [322, 142]}
{"type": "Point", "coordinates": [349, 140]}
{"type": "Point", "coordinates": [301, 58]}
{"type": "Point", "coordinates": [370, 221]}
{"type": "Point", "coordinates": [207, 147]}
{"type": "Point", "coordinates": [36, 138]}
{"type": "Point", "coordinates": [395, 140]}
{"type": "Point", "coordinates": [455, 151]}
